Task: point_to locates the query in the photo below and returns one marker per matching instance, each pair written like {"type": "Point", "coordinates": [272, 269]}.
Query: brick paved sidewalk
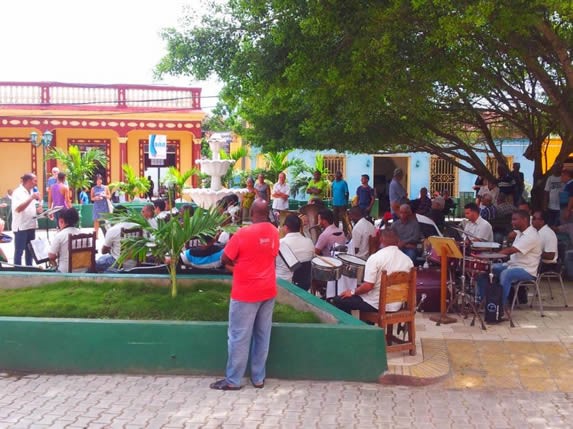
{"type": "Point", "coordinates": [117, 401]}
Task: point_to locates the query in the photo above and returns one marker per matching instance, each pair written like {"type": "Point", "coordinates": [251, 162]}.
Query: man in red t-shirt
{"type": "Point", "coordinates": [250, 254]}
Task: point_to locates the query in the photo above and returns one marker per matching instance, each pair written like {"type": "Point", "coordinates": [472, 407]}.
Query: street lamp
{"type": "Point", "coordinates": [45, 142]}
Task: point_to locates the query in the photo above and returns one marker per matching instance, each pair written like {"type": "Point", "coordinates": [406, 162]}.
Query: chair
{"type": "Point", "coordinates": [134, 233]}
{"type": "Point", "coordinates": [81, 252]}
{"type": "Point", "coordinates": [550, 272]}
{"type": "Point", "coordinates": [396, 287]}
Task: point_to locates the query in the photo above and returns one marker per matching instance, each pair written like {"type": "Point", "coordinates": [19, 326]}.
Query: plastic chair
{"type": "Point", "coordinates": [396, 287]}
{"type": "Point", "coordinates": [81, 253]}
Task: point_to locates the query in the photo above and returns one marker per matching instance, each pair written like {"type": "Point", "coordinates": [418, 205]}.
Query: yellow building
{"type": "Point", "coordinates": [117, 119]}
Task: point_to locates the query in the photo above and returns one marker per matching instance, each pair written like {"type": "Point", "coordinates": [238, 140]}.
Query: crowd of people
{"type": "Point", "coordinates": [393, 243]}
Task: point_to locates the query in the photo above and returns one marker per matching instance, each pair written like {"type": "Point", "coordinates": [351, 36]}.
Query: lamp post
{"type": "Point", "coordinates": [45, 142]}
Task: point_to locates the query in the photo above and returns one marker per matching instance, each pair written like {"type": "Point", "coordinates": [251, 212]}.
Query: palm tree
{"type": "Point", "coordinates": [236, 155]}
{"type": "Point", "coordinates": [79, 166]}
{"type": "Point", "coordinates": [175, 182]}
{"type": "Point", "coordinates": [277, 162]}
{"type": "Point", "coordinates": [132, 184]}
{"type": "Point", "coordinates": [169, 239]}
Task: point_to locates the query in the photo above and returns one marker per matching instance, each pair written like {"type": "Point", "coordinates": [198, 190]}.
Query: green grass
{"type": "Point", "coordinates": [201, 301]}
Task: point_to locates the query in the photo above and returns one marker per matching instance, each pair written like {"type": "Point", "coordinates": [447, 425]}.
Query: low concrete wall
{"type": "Point", "coordinates": [343, 348]}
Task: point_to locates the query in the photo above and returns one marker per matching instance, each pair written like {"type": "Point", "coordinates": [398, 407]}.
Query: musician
{"type": "Point", "coordinates": [366, 296]}
{"type": "Point", "coordinates": [361, 232]}
{"type": "Point", "coordinates": [331, 235]}
{"type": "Point", "coordinates": [26, 204]}
{"type": "Point", "coordinates": [408, 230]}
{"type": "Point", "coordinates": [548, 239]}
{"type": "Point", "coordinates": [67, 223]}
{"type": "Point", "coordinates": [525, 254]}
{"type": "Point", "coordinates": [476, 226]}
{"type": "Point", "coordinates": [302, 247]}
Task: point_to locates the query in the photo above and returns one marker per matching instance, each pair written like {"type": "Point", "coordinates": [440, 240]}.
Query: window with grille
{"type": "Point", "coordinates": [491, 164]}
{"type": "Point", "coordinates": [334, 163]}
{"type": "Point", "coordinates": [443, 176]}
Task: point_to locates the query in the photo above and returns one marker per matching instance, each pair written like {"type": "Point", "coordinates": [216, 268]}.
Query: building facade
{"type": "Point", "coordinates": [117, 119]}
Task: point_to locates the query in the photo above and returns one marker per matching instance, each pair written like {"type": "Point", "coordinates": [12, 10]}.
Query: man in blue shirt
{"type": "Point", "coordinates": [340, 202]}
{"type": "Point", "coordinates": [365, 194]}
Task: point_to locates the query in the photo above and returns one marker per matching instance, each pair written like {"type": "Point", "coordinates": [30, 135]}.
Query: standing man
{"type": "Point", "coordinates": [519, 183]}
{"type": "Point", "coordinates": [340, 202]}
{"type": "Point", "coordinates": [553, 186]}
{"type": "Point", "coordinates": [566, 196]}
{"type": "Point", "coordinates": [316, 187]}
{"type": "Point", "coordinates": [397, 193]}
{"type": "Point", "coordinates": [250, 254]}
{"type": "Point", "coordinates": [53, 179]}
{"type": "Point", "coordinates": [149, 193]}
{"type": "Point", "coordinates": [365, 194]}
{"type": "Point", "coordinates": [59, 196]}
{"type": "Point", "coordinates": [280, 194]}
{"type": "Point", "coordinates": [25, 206]}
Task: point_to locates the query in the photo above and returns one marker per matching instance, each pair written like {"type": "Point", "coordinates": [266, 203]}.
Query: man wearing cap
{"type": "Point", "coordinates": [25, 207]}
{"type": "Point", "coordinates": [397, 193]}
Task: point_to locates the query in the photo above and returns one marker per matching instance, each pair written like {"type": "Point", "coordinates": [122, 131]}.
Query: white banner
{"type": "Point", "coordinates": [157, 146]}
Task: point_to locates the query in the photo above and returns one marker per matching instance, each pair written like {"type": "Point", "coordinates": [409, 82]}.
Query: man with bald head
{"type": "Point", "coordinates": [250, 255]}
{"type": "Point", "coordinates": [390, 259]}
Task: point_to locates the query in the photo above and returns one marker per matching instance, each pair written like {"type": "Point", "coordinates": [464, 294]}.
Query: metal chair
{"type": "Point", "coordinates": [548, 273]}
{"type": "Point", "coordinates": [396, 287]}
{"type": "Point", "coordinates": [127, 234]}
{"type": "Point", "coordinates": [81, 252]}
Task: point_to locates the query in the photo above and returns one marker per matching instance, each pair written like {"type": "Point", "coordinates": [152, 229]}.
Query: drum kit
{"type": "Point", "coordinates": [478, 263]}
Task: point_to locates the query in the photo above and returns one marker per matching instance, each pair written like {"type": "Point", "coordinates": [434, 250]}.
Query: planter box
{"type": "Point", "coordinates": [341, 348]}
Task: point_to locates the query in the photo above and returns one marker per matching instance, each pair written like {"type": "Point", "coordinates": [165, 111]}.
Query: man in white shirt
{"type": "Point", "coordinates": [477, 228]}
{"type": "Point", "coordinates": [111, 249]}
{"type": "Point", "coordinates": [553, 186]}
{"type": "Point", "coordinates": [26, 204]}
{"type": "Point", "coordinates": [302, 247]}
{"type": "Point", "coordinates": [67, 223]}
{"type": "Point", "coordinates": [280, 194]}
{"type": "Point", "coordinates": [548, 240]}
{"type": "Point", "coordinates": [525, 254]}
{"type": "Point", "coordinates": [361, 233]}
{"type": "Point", "coordinates": [366, 296]}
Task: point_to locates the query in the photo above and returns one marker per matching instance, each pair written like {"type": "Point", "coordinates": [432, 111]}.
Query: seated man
{"type": "Point", "coordinates": [111, 249]}
{"type": "Point", "coordinates": [148, 212]}
{"type": "Point", "coordinates": [361, 232]}
{"type": "Point", "coordinates": [302, 247]}
{"type": "Point", "coordinates": [549, 244]}
{"type": "Point", "coordinates": [67, 224]}
{"type": "Point", "coordinates": [408, 230]}
{"type": "Point", "coordinates": [367, 295]}
{"type": "Point", "coordinates": [525, 254]}
{"type": "Point", "coordinates": [331, 235]}
{"type": "Point", "coordinates": [477, 228]}
{"type": "Point", "coordinates": [206, 256]}
{"type": "Point", "coordinates": [423, 204]}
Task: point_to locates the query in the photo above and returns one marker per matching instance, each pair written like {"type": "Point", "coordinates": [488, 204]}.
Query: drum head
{"type": "Point", "coordinates": [327, 262]}
{"type": "Point", "coordinates": [351, 259]}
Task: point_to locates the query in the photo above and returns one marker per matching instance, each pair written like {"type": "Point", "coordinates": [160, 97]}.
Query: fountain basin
{"type": "Point", "coordinates": [207, 198]}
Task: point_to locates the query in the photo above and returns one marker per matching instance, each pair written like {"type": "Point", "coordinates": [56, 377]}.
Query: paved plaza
{"type": "Point", "coordinates": [461, 377]}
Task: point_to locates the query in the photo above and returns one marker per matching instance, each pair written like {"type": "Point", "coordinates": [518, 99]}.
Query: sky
{"type": "Point", "coordinates": [91, 41]}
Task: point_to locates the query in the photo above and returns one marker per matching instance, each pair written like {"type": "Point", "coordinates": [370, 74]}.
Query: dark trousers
{"type": "Point", "coordinates": [553, 217]}
{"type": "Point", "coordinates": [352, 303]}
{"type": "Point", "coordinates": [21, 240]}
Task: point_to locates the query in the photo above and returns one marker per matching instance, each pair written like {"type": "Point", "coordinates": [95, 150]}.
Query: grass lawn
{"type": "Point", "coordinates": [201, 301]}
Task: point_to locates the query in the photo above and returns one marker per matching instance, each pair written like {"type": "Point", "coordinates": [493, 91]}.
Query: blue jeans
{"type": "Point", "coordinates": [249, 330]}
{"type": "Point", "coordinates": [412, 253]}
{"type": "Point", "coordinates": [104, 263]}
{"type": "Point", "coordinates": [507, 276]}
{"type": "Point", "coordinates": [21, 240]}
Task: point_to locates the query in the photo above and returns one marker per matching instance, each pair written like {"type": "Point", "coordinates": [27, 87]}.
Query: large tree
{"type": "Point", "coordinates": [449, 77]}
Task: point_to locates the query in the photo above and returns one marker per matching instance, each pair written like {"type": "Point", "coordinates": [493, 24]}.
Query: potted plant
{"type": "Point", "coordinates": [132, 184]}
{"type": "Point", "coordinates": [79, 166]}
{"type": "Point", "coordinates": [168, 240]}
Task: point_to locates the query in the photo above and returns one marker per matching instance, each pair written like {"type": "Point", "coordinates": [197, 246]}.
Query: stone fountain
{"type": "Point", "coordinates": [214, 168]}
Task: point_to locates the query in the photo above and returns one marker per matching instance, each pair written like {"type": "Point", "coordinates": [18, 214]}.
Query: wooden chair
{"type": "Point", "coordinates": [81, 252]}
{"type": "Point", "coordinates": [396, 287]}
{"type": "Point", "coordinates": [133, 232]}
